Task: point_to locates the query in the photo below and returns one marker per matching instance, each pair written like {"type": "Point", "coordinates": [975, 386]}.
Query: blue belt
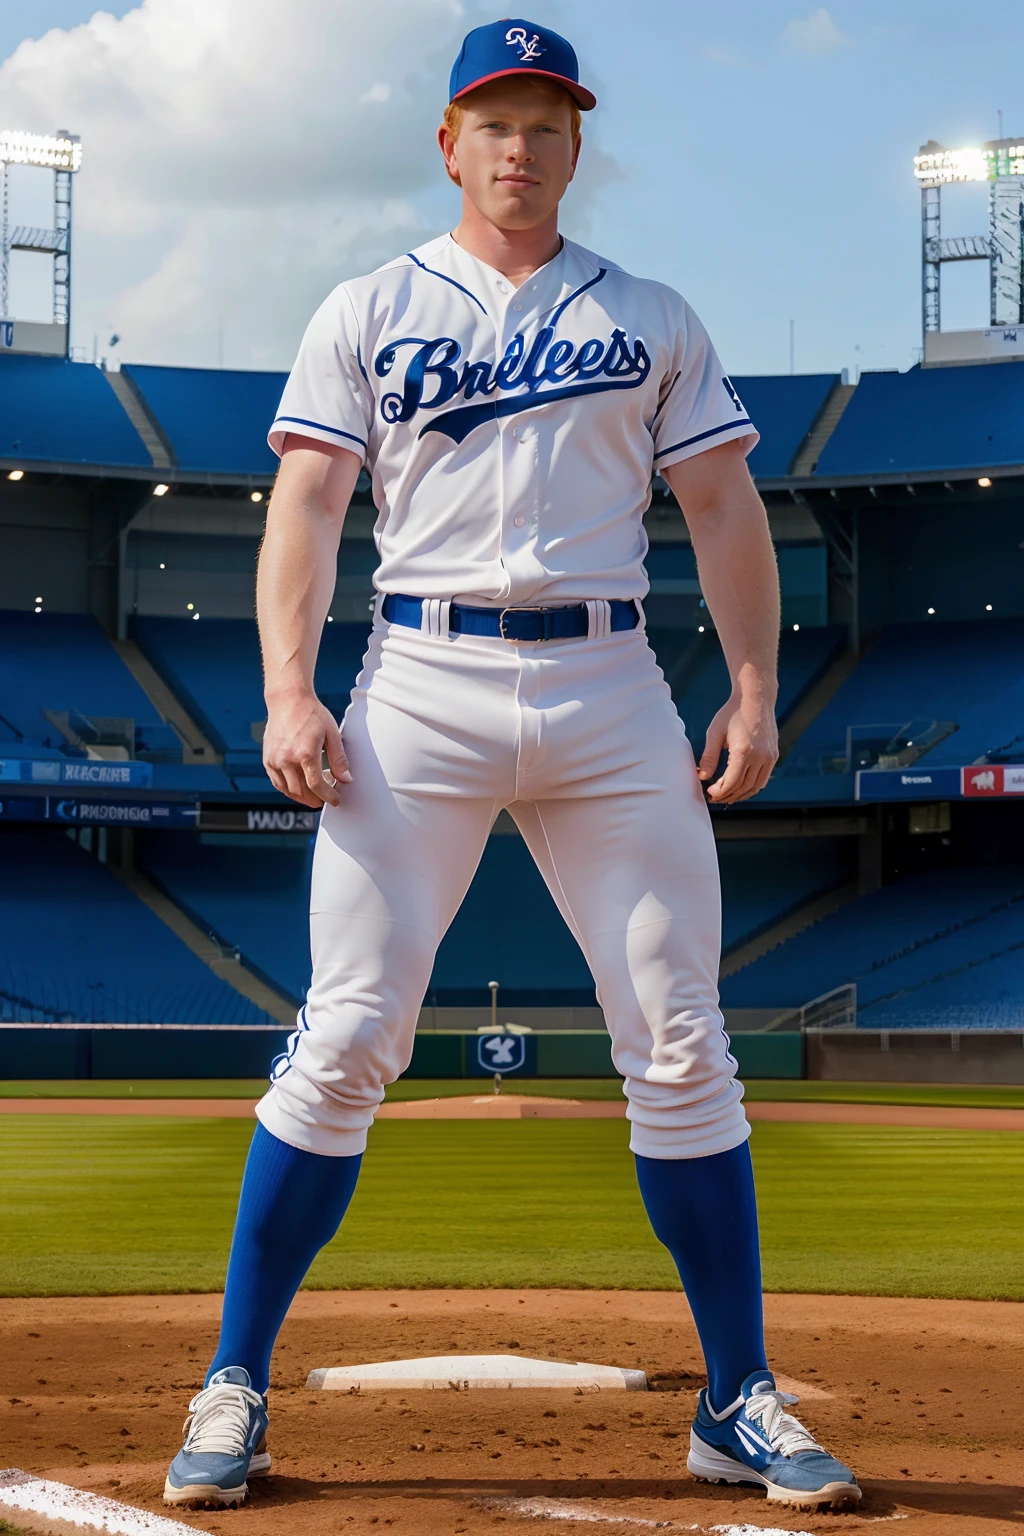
{"type": "Point", "coordinates": [525, 626]}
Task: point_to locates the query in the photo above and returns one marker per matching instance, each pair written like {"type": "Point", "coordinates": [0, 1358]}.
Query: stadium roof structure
{"type": "Point", "coordinates": [207, 426]}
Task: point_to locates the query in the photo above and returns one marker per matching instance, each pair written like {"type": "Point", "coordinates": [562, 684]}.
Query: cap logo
{"type": "Point", "coordinates": [529, 48]}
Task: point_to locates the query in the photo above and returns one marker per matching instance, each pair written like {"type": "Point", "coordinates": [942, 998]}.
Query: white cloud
{"type": "Point", "coordinates": [238, 163]}
{"type": "Point", "coordinates": [815, 34]}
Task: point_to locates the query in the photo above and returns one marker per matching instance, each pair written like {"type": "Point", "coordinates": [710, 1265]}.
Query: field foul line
{"type": "Point", "coordinates": [547, 1509]}
{"type": "Point", "coordinates": [57, 1501]}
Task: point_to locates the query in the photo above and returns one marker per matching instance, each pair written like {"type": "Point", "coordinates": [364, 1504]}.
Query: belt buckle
{"type": "Point", "coordinates": [511, 639]}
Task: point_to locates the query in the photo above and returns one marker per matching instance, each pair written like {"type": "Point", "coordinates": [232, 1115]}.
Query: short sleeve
{"type": "Point", "coordinates": [700, 407]}
{"type": "Point", "coordinates": [327, 396]}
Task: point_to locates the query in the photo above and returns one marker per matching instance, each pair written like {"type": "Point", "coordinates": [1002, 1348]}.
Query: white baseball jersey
{"type": "Point", "coordinates": [511, 433]}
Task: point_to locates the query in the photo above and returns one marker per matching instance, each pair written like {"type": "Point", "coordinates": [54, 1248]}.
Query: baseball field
{"type": "Point", "coordinates": [892, 1264]}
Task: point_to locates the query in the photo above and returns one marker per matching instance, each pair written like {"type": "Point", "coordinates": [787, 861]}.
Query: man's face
{"type": "Point", "coordinates": [515, 153]}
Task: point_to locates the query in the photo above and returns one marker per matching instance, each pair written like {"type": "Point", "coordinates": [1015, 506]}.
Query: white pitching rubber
{"type": "Point", "coordinates": [462, 1373]}
{"type": "Point", "coordinates": [22, 1493]}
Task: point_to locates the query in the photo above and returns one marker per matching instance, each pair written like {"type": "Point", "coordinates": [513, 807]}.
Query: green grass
{"type": "Point", "coordinates": [972, 1095]}
{"type": "Point", "coordinates": [963, 1095]}
{"type": "Point", "coordinates": [114, 1204]}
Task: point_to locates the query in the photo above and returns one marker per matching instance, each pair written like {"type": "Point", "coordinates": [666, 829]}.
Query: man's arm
{"type": "Point", "coordinates": [294, 586]}
{"type": "Point", "coordinates": [740, 582]}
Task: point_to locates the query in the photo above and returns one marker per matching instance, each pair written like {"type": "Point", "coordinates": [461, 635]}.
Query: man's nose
{"type": "Point", "coordinates": [518, 150]}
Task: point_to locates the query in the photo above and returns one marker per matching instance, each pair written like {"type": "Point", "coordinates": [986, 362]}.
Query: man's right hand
{"type": "Point", "coordinates": [299, 731]}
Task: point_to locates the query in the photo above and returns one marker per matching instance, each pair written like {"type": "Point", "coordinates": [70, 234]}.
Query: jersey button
{"type": "Point", "coordinates": [519, 520]}
{"type": "Point", "coordinates": [517, 306]}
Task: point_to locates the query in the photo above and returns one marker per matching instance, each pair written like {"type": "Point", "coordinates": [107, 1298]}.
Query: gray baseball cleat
{"type": "Point", "coordinates": [225, 1443]}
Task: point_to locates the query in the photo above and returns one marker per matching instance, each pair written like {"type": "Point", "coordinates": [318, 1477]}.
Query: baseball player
{"type": "Point", "coordinates": [511, 395]}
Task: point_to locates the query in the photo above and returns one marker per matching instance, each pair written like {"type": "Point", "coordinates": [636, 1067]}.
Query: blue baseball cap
{"type": "Point", "coordinates": [517, 47]}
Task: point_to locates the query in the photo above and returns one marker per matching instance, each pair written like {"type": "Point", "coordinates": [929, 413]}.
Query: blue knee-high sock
{"type": "Point", "coordinates": [291, 1204]}
{"type": "Point", "coordinates": [704, 1210]}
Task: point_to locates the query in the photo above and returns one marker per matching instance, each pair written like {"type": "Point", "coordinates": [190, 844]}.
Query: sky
{"type": "Point", "coordinates": [758, 157]}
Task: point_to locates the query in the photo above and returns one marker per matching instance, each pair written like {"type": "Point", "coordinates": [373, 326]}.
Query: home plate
{"type": "Point", "coordinates": [460, 1373]}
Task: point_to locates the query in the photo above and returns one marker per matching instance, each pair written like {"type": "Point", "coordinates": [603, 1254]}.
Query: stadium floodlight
{"type": "Point", "coordinates": [984, 482]}
{"type": "Point", "coordinates": [936, 166]}
{"type": "Point", "coordinates": [16, 474]}
{"type": "Point", "coordinates": [255, 495]}
{"type": "Point", "coordinates": [161, 489]}
{"type": "Point", "coordinates": [49, 151]}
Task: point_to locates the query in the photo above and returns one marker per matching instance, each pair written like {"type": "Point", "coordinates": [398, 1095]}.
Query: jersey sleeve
{"type": "Point", "coordinates": [327, 396]}
{"type": "Point", "coordinates": [700, 407]}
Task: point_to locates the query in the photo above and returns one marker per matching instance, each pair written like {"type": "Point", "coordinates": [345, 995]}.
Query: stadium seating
{"type": "Point", "coordinates": [65, 413]}
{"type": "Point", "coordinates": [992, 730]}
{"type": "Point", "coordinates": [77, 946]}
{"type": "Point", "coordinates": [63, 662]}
{"type": "Point", "coordinates": [700, 680]}
{"type": "Point", "coordinates": [252, 897]}
{"type": "Point", "coordinates": [930, 942]}
{"type": "Point", "coordinates": [929, 419]}
{"type": "Point", "coordinates": [253, 894]}
{"type": "Point", "coordinates": [783, 408]}
{"type": "Point", "coordinates": [214, 419]}
{"type": "Point", "coordinates": [923, 673]}
{"type": "Point", "coordinates": [213, 666]}
{"type": "Point", "coordinates": [763, 880]}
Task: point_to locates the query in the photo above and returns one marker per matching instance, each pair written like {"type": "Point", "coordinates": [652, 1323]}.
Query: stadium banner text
{"type": "Point", "coordinates": [69, 812]}
{"type": "Point", "coordinates": [980, 781]}
{"type": "Point", "coordinates": [218, 817]}
{"type": "Point", "coordinates": [86, 772]}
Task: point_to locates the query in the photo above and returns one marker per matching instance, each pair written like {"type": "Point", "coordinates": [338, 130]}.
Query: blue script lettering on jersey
{"type": "Point", "coordinates": [546, 371]}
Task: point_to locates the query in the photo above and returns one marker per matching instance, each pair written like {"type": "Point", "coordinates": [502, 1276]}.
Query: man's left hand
{"type": "Point", "coordinates": [745, 728]}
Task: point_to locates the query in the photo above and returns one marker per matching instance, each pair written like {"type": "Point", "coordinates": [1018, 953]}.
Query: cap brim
{"type": "Point", "coordinates": [584, 99]}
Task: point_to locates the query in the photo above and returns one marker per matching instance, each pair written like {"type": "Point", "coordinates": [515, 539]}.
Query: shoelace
{"type": "Point", "coordinates": [220, 1419]}
{"type": "Point", "coordinates": [782, 1430]}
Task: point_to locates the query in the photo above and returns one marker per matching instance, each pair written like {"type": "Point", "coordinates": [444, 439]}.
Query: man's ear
{"type": "Point", "coordinates": [448, 147]}
{"type": "Point", "coordinates": [576, 155]}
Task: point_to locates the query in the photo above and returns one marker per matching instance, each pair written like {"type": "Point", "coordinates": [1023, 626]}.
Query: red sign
{"type": "Point", "coordinates": [988, 779]}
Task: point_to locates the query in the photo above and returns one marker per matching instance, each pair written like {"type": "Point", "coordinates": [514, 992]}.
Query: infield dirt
{"type": "Point", "coordinates": [922, 1397]}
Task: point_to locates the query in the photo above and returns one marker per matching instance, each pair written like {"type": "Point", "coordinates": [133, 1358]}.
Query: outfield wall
{"type": "Point", "coordinates": [126, 1052]}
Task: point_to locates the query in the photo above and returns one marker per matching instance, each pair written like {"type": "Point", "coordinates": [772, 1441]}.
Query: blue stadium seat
{"type": "Point", "coordinates": [992, 730]}
{"type": "Point", "coordinates": [930, 419]}
{"type": "Point", "coordinates": [253, 897]}
{"type": "Point", "coordinates": [214, 668]}
{"type": "Point", "coordinates": [918, 672]}
{"type": "Point", "coordinates": [927, 937]}
{"type": "Point", "coordinates": [64, 413]}
{"type": "Point", "coordinates": [783, 408]}
{"type": "Point", "coordinates": [215, 419]}
{"type": "Point", "coordinates": [64, 662]}
{"type": "Point", "coordinates": [763, 880]}
{"type": "Point", "coordinates": [76, 946]}
{"type": "Point", "coordinates": [804, 655]}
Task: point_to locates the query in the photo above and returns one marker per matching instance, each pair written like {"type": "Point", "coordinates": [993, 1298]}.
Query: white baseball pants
{"type": "Point", "coordinates": [581, 742]}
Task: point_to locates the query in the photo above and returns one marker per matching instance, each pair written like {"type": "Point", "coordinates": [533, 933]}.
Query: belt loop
{"type": "Point", "coordinates": [444, 609]}
{"type": "Point", "coordinates": [429, 615]}
{"type": "Point", "coordinates": [640, 611]}
{"type": "Point", "coordinates": [599, 618]}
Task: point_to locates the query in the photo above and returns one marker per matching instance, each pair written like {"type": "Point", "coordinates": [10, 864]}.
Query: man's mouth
{"type": "Point", "coordinates": [518, 181]}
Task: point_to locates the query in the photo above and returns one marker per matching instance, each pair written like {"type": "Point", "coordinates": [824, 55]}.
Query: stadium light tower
{"type": "Point", "coordinates": [60, 153]}
{"type": "Point", "coordinates": [1000, 162]}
